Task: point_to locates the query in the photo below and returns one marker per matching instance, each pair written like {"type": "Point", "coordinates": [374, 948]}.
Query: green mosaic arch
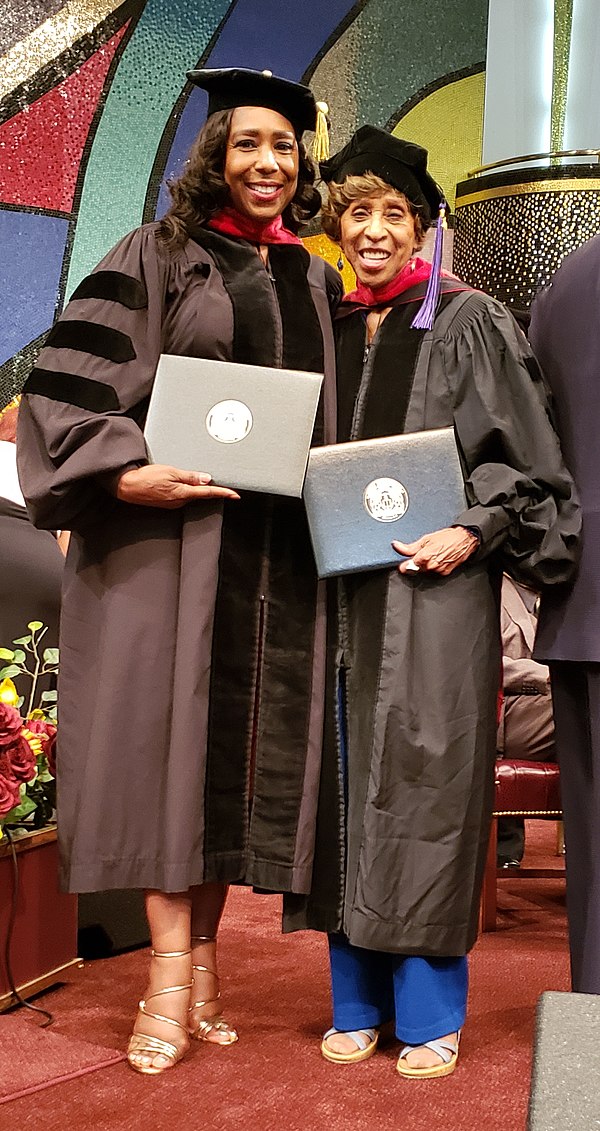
{"type": "Point", "coordinates": [164, 44]}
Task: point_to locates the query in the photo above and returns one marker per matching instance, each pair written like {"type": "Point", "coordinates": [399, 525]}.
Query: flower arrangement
{"type": "Point", "coordinates": [27, 740]}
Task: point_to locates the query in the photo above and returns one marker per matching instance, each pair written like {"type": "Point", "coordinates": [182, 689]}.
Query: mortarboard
{"type": "Point", "coordinates": [403, 165]}
{"type": "Point", "coordinates": [229, 87]}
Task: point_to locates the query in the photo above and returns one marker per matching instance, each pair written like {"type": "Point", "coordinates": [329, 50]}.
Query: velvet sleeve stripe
{"type": "Point", "coordinates": [138, 412]}
{"type": "Point", "coordinates": [115, 287]}
{"type": "Point", "coordinates": [89, 337]}
{"type": "Point", "coordinates": [69, 388]}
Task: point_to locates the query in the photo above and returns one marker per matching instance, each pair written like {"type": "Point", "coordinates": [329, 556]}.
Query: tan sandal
{"type": "Point", "coordinates": [142, 1044]}
{"type": "Point", "coordinates": [217, 1024]}
{"type": "Point", "coordinates": [364, 1039]}
{"type": "Point", "coordinates": [447, 1052]}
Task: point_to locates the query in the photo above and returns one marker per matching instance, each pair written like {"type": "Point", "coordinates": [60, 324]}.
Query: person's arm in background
{"type": "Point", "coordinates": [525, 676]}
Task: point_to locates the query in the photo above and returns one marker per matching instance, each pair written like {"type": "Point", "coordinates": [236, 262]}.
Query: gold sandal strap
{"type": "Point", "coordinates": [201, 1004]}
{"type": "Point", "coordinates": [170, 953]}
{"type": "Point", "coordinates": [221, 1026]}
{"type": "Point", "coordinates": [160, 1016]}
{"type": "Point", "coordinates": [141, 1043]}
{"type": "Point", "coordinates": [142, 1005]}
{"type": "Point", "coordinates": [206, 1026]}
{"type": "Point", "coordinates": [204, 938]}
{"type": "Point", "coordinates": [210, 1000]}
{"type": "Point", "coordinates": [169, 990]}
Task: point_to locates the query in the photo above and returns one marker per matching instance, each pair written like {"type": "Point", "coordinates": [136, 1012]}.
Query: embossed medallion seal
{"type": "Point", "coordinates": [229, 422]}
{"type": "Point", "coordinates": [385, 499]}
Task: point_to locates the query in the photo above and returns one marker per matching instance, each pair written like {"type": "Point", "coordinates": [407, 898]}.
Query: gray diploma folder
{"type": "Point", "coordinates": [362, 495]}
{"type": "Point", "coordinates": [248, 426]}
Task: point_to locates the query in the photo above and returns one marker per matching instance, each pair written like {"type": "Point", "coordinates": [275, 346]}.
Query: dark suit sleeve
{"type": "Point", "coordinates": [521, 496]}
{"type": "Point", "coordinates": [82, 404]}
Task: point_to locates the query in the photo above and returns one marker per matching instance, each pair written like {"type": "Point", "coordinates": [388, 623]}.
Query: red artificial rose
{"type": "Point", "coordinates": [22, 760]}
{"type": "Point", "coordinates": [10, 724]}
{"type": "Point", "coordinates": [46, 731]}
{"type": "Point", "coordinates": [51, 754]}
{"type": "Point", "coordinates": [41, 726]}
{"type": "Point", "coordinates": [10, 793]}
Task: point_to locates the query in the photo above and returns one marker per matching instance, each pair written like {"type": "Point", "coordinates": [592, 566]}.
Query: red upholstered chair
{"type": "Point", "coordinates": [523, 789]}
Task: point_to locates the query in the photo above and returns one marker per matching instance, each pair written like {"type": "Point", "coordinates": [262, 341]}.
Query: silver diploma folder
{"type": "Point", "coordinates": [363, 495]}
{"type": "Point", "coordinates": [247, 426]}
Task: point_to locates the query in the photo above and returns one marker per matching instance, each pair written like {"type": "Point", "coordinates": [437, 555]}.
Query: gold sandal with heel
{"type": "Point", "coordinates": [142, 1044]}
{"type": "Point", "coordinates": [203, 1029]}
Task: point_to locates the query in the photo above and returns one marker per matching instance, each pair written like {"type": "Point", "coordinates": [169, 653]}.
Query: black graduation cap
{"type": "Point", "coordinates": [229, 87]}
{"type": "Point", "coordinates": [401, 164]}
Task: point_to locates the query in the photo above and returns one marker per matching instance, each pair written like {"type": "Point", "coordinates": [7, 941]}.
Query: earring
{"type": "Point", "coordinates": [340, 263]}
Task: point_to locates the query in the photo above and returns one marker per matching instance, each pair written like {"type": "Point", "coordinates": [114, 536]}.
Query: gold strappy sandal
{"type": "Point", "coordinates": [217, 1024]}
{"type": "Point", "coordinates": [142, 1044]}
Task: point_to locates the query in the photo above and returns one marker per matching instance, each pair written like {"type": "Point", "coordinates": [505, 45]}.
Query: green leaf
{"type": "Point", "coordinates": [25, 807]}
{"type": "Point", "coordinates": [23, 640]}
{"type": "Point", "coordinates": [52, 714]}
{"type": "Point", "coordinates": [50, 656]}
{"type": "Point", "coordinates": [49, 696]}
{"type": "Point", "coordinates": [7, 673]}
{"type": "Point", "coordinates": [35, 625]}
{"type": "Point", "coordinates": [6, 654]}
{"type": "Point", "coordinates": [19, 656]}
{"type": "Point", "coordinates": [20, 701]}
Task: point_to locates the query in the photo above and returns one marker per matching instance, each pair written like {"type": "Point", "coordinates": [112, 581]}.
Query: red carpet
{"type": "Point", "coordinates": [276, 991]}
{"type": "Point", "coordinates": [32, 1058]}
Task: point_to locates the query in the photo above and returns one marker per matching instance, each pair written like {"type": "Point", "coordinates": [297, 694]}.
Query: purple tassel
{"type": "Point", "coordinates": [424, 318]}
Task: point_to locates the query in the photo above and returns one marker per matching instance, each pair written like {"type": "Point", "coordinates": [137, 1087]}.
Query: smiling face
{"type": "Point", "coordinates": [378, 236]}
{"type": "Point", "coordinates": [261, 162]}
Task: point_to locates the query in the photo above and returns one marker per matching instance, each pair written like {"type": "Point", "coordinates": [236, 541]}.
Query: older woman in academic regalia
{"type": "Point", "coordinates": [192, 640]}
{"type": "Point", "coordinates": [401, 842]}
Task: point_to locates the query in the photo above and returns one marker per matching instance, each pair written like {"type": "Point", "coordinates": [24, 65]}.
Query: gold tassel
{"type": "Point", "coordinates": [321, 142]}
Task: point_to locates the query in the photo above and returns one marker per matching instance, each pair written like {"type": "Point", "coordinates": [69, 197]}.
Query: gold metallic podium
{"type": "Point", "coordinates": [514, 226]}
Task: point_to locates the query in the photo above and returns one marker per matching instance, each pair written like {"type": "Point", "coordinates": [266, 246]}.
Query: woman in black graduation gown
{"type": "Point", "coordinates": [179, 769]}
{"type": "Point", "coordinates": [401, 844]}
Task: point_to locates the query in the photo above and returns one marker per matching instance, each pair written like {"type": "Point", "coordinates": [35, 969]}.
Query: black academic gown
{"type": "Point", "coordinates": [403, 828]}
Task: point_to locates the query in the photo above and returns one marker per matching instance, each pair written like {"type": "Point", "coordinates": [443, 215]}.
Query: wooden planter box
{"type": "Point", "coordinates": [44, 940]}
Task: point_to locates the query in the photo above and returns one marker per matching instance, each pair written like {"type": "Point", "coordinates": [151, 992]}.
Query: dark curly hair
{"type": "Point", "coordinates": [201, 191]}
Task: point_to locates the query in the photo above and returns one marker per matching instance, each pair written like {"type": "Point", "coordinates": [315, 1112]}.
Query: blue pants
{"type": "Point", "coordinates": [427, 997]}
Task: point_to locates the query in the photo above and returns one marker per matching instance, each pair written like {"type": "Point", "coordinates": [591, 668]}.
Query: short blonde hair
{"type": "Point", "coordinates": [341, 196]}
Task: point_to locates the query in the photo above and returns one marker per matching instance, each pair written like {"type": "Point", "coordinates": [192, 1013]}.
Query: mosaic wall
{"type": "Point", "coordinates": [96, 115]}
{"type": "Point", "coordinates": [511, 239]}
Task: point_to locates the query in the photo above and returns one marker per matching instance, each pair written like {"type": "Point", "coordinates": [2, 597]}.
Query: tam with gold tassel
{"type": "Point", "coordinates": [321, 141]}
